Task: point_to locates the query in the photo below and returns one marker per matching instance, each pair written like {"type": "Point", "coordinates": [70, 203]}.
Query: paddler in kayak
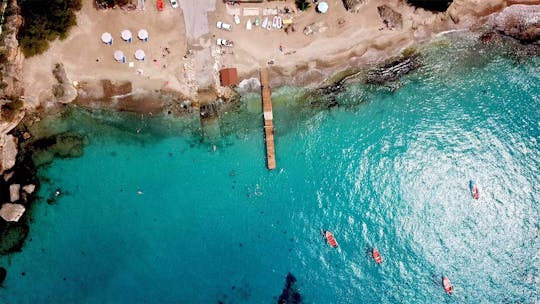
{"type": "Point", "coordinates": [447, 285]}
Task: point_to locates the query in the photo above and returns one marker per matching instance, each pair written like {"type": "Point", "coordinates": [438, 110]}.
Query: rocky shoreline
{"type": "Point", "coordinates": [18, 182]}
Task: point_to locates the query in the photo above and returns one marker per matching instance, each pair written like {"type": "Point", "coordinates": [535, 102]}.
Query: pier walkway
{"type": "Point", "coordinates": [268, 119]}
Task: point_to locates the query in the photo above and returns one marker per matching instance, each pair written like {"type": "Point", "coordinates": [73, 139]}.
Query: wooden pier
{"type": "Point", "coordinates": [268, 119]}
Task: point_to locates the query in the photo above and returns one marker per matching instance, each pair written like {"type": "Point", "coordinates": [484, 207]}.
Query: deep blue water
{"type": "Point", "coordinates": [384, 169]}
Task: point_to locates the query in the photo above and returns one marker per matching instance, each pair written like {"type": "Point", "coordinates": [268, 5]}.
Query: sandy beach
{"type": "Point", "coordinates": [182, 55]}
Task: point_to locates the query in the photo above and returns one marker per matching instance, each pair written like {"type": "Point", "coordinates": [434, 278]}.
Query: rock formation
{"type": "Point", "coordinates": [11, 57]}
{"type": "Point", "coordinates": [63, 90]}
{"type": "Point", "coordinates": [391, 18]}
{"type": "Point", "coordinates": [353, 5]}
{"type": "Point", "coordinates": [11, 212]}
{"type": "Point", "coordinates": [519, 21]}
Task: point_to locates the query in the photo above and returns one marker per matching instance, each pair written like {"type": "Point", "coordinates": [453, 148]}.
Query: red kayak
{"type": "Point", "coordinates": [447, 285]}
{"type": "Point", "coordinates": [159, 5]}
{"type": "Point", "coordinates": [377, 256]}
{"type": "Point", "coordinates": [474, 189]}
{"type": "Point", "coordinates": [330, 238]}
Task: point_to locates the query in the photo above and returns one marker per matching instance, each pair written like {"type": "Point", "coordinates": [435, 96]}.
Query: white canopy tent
{"type": "Point", "coordinates": [126, 35]}
{"type": "Point", "coordinates": [119, 56]}
{"type": "Point", "coordinates": [322, 7]}
{"type": "Point", "coordinates": [139, 54]}
{"type": "Point", "coordinates": [143, 34]}
{"type": "Point", "coordinates": [107, 38]}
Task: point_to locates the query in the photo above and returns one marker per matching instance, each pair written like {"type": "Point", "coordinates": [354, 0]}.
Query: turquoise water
{"type": "Point", "coordinates": [385, 169]}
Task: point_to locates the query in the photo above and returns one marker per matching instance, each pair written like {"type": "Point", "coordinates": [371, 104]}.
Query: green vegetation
{"type": "Point", "coordinates": [432, 5]}
{"type": "Point", "coordinates": [302, 4]}
{"type": "Point", "coordinates": [45, 21]}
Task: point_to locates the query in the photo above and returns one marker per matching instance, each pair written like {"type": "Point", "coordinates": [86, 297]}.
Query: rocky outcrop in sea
{"type": "Point", "coordinates": [519, 21]}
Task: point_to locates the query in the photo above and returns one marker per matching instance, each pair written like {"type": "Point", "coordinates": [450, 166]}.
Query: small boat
{"type": "Point", "coordinates": [447, 285]}
{"type": "Point", "coordinates": [275, 22]}
{"type": "Point", "coordinates": [159, 4]}
{"type": "Point", "coordinates": [474, 189]}
{"type": "Point", "coordinates": [377, 256]}
{"type": "Point", "coordinates": [265, 22]}
{"type": "Point", "coordinates": [248, 25]}
{"type": "Point", "coordinates": [279, 22]}
{"type": "Point", "coordinates": [257, 21]}
{"type": "Point", "coordinates": [330, 238]}
{"type": "Point", "coordinates": [236, 19]}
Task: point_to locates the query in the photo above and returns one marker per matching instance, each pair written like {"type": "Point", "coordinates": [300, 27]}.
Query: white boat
{"type": "Point", "coordinates": [279, 22]}
{"type": "Point", "coordinates": [274, 22]}
{"type": "Point", "coordinates": [265, 22]}
{"type": "Point", "coordinates": [248, 25]}
{"type": "Point", "coordinates": [236, 19]}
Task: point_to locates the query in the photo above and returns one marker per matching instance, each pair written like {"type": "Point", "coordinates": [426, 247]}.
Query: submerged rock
{"type": "Point", "coordinates": [12, 236]}
{"type": "Point", "coordinates": [3, 274]}
{"type": "Point", "coordinates": [520, 21]}
{"type": "Point", "coordinates": [394, 70]}
{"type": "Point", "coordinates": [290, 294]}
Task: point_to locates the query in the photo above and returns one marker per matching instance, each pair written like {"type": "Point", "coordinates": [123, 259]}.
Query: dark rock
{"type": "Point", "coordinates": [3, 274]}
{"type": "Point", "coordinates": [290, 294]}
{"type": "Point", "coordinates": [394, 70]}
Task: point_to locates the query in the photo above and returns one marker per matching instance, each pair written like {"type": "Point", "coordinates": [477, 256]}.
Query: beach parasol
{"type": "Point", "coordinates": [322, 7]}
{"type": "Point", "coordinates": [119, 56]}
{"type": "Point", "coordinates": [143, 35]}
{"type": "Point", "coordinates": [106, 38]}
{"type": "Point", "coordinates": [126, 35]}
{"type": "Point", "coordinates": [139, 54]}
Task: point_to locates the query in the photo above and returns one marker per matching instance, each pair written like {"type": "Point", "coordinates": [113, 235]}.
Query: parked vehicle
{"type": "Point", "coordinates": [224, 42]}
{"type": "Point", "coordinates": [224, 26]}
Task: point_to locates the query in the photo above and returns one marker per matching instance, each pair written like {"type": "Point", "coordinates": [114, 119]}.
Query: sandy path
{"type": "Point", "coordinates": [196, 19]}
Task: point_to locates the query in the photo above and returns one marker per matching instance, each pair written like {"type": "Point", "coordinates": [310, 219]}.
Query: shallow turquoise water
{"type": "Point", "coordinates": [389, 170]}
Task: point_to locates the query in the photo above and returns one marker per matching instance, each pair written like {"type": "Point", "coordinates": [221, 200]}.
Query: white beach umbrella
{"type": "Point", "coordinates": [143, 34]}
{"type": "Point", "coordinates": [139, 54]}
{"type": "Point", "coordinates": [322, 7]}
{"type": "Point", "coordinates": [119, 56]}
{"type": "Point", "coordinates": [106, 38]}
{"type": "Point", "coordinates": [126, 35]}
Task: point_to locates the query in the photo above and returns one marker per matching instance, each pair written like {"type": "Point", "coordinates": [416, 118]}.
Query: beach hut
{"type": "Point", "coordinates": [107, 38]}
{"type": "Point", "coordinates": [143, 35]}
{"type": "Point", "coordinates": [126, 35]}
{"type": "Point", "coordinates": [229, 77]}
{"type": "Point", "coordinates": [119, 56]}
{"type": "Point", "coordinates": [139, 54]}
{"type": "Point", "coordinates": [322, 7]}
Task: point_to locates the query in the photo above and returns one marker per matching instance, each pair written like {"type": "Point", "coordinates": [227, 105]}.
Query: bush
{"type": "Point", "coordinates": [432, 5]}
{"type": "Point", "coordinates": [302, 4]}
{"type": "Point", "coordinates": [45, 21]}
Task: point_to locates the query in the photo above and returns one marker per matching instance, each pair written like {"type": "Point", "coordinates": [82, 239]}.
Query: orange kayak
{"type": "Point", "coordinates": [447, 285]}
{"type": "Point", "coordinates": [330, 238]}
{"type": "Point", "coordinates": [377, 256]}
